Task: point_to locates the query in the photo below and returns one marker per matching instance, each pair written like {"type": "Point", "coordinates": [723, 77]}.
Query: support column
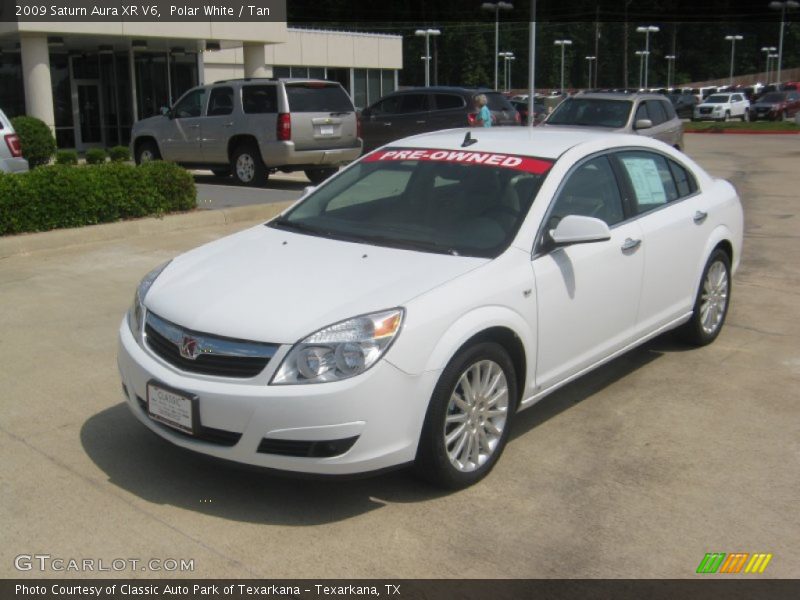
{"type": "Point", "coordinates": [255, 61]}
{"type": "Point", "coordinates": [36, 78]}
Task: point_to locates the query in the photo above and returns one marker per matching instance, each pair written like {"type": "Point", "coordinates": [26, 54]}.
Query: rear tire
{"type": "Point", "coordinates": [146, 151]}
{"type": "Point", "coordinates": [247, 166]}
{"type": "Point", "coordinates": [711, 303]}
{"type": "Point", "coordinates": [317, 176]}
{"type": "Point", "coordinates": [469, 417]}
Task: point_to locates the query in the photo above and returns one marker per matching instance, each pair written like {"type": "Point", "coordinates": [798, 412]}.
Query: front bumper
{"type": "Point", "coordinates": [383, 408]}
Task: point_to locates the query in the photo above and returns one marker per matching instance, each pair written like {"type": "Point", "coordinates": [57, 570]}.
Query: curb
{"type": "Point", "coordinates": [743, 132]}
{"type": "Point", "coordinates": [26, 243]}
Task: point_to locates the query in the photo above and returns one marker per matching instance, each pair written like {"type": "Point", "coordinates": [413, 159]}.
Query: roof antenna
{"type": "Point", "coordinates": [468, 140]}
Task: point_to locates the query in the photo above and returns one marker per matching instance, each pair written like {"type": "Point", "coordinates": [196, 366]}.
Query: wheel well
{"type": "Point", "coordinates": [511, 343]}
{"type": "Point", "coordinates": [141, 140]}
{"type": "Point", "coordinates": [727, 248]}
{"type": "Point", "coordinates": [237, 141]}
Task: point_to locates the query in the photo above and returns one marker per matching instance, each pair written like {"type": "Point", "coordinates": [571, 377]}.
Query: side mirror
{"type": "Point", "coordinates": [307, 190]}
{"type": "Point", "coordinates": [575, 229]}
{"type": "Point", "coordinates": [165, 110]}
{"type": "Point", "coordinates": [643, 124]}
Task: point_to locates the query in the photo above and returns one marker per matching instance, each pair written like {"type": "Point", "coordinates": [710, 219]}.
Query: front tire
{"type": "Point", "coordinates": [469, 417]}
{"type": "Point", "coordinates": [711, 303]}
{"type": "Point", "coordinates": [247, 166]}
{"type": "Point", "coordinates": [147, 151]}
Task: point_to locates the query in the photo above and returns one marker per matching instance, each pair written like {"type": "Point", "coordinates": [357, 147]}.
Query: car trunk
{"type": "Point", "coordinates": [322, 116]}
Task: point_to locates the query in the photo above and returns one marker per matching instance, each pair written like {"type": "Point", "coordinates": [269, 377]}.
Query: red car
{"type": "Point", "coordinates": [776, 106]}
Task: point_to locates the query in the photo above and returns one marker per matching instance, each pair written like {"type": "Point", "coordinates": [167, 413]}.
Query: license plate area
{"type": "Point", "coordinates": [326, 130]}
{"type": "Point", "coordinates": [173, 408]}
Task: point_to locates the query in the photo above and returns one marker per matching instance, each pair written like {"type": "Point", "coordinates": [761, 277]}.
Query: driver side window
{"type": "Point", "coordinates": [190, 105]}
{"type": "Point", "coordinates": [591, 190]}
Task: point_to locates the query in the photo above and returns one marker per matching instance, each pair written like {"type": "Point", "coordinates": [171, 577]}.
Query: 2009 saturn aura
{"type": "Point", "coordinates": [405, 310]}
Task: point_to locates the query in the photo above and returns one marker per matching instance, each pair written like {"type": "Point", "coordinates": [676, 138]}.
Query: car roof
{"type": "Point", "coordinates": [527, 141]}
{"type": "Point", "coordinates": [447, 88]}
{"type": "Point", "coordinates": [620, 96]}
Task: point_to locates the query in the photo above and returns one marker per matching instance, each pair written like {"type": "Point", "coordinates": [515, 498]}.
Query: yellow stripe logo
{"type": "Point", "coordinates": [736, 562]}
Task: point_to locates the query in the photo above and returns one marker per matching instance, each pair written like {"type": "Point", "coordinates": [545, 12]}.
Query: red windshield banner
{"type": "Point", "coordinates": [537, 166]}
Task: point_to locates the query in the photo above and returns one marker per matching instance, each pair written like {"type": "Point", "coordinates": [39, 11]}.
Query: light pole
{"type": "Point", "coordinates": [506, 56]}
{"type": "Point", "coordinates": [732, 39]}
{"type": "Point", "coordinates": [509, 63]}
{"type": "Point", "coordinates": [768, 50]}
{"type": "Point", "coordinates": [782, 6]}
{"type": "Point", "coordinates": [563, 44]}
{"type": "Point", "coordinates": [496, 7]}
{"type": "Point", "coordinates": [590, 59]}
{"type": "Point", "coordinates": [670, 69]}
{"type": "Point", "coordinates": [641, 54]}
{"type": "Point", "coordinates": [647, 30]}
{"type": "Point", "coordinates": [427, 33]}
{"type": "Point", "coordinates": [774, 58]}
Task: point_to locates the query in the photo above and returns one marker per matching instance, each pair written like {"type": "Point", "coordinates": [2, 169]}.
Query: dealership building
{"type": "Point", "coordinates": [90, 81]}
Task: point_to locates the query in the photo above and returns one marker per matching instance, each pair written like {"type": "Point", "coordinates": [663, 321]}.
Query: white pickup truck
{"type": "Point", "coordinates": [722, 107]}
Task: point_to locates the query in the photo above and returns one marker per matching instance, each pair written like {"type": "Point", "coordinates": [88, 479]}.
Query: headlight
{"type": "Point", "coordinates": [136, 312]}
{"type": "Point", "coordinates": [341, 350]}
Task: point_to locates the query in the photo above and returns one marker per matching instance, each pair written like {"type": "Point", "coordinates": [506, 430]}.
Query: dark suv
{"type": "Point", "coordinates": [418, 110]}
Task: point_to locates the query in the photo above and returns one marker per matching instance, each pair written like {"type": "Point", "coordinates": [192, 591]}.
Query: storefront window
{"type": "Point", "coordinates": [387, 81]}
{"type": "Point", "coordinates": [360, 88]}
{"type": "Point", "coordinates": [373, 85]}
{"type": "Point", "coordinates": [62, 100]}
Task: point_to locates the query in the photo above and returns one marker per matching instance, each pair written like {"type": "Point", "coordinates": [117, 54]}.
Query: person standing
{"type": "Point", "coordinates": [484, 116]}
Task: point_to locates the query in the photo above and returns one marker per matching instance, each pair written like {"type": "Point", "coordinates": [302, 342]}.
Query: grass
{"type": "Point", "coordinates": [739, 126]}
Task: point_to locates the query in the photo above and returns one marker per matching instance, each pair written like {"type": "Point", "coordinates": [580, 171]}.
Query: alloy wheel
{"type": "Point", "coordinates": [714, 298]}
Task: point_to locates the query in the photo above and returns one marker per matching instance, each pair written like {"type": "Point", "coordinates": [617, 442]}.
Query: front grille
{"type": "Point", "coordinates": [318, 449]}
{"type": "Point", "coordinates": [221, 437]}
{"type": "Point", "coordinates": [223, 357]}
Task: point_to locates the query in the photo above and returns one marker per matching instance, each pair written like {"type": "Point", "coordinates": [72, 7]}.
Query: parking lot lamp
{"type": "Point", "coordinates": [427, 33]}
{"type": "Point", "coordinates": [496, 7]}
{"type": "Point", "coordinates": [768, 50]}
{"type": "Point", "coordinates": [641, 54]}
{"type": "Point", "coordinates": [732, 39]}
{"type": "Point", "coordinates": [670, 69]}
{"type": "Point", "coordinates": [506, 56]}
{"type": "Point", "coordinates": [783, 7]}
{"type": "Point", "coordinates": [590, 59]}
{"type": "Point", "coordinates": [774, 59]}
{"type": "Point", "coordinates": [647, 30]}
{"type": "Point", "coordinates": [563, 44]}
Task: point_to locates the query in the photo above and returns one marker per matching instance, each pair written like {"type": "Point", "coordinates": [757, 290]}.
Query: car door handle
{"type": "Point", "coordinates": [229, 124]}
{"type": "Point", "coordinates": [387, 124]}
{"type": "Point", "coordinates": [193, 126]}
{"type": "Point", "coordinates": [420, 122]}
{"type": "Point", "coordinates": [700, 216]}
{"type": "Point", "coordinates": [630, 244]}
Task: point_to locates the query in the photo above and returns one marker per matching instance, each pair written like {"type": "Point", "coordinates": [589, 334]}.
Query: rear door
{"type": "Point", "coordinates": [322, 115]}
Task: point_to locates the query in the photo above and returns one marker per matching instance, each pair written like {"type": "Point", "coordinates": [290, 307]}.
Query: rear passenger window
{"type": "Point", "coordinates": [650, 178]}
{"type": "Point", "coordinates": [220, 102]}
{"type": "Point", "coordinates": [259, 99]}
{"type": "Point", "coordinates": [410, 103]}
{"type": "Point", "coordinates": [448, 101]}
{"type": "Point", "coordinates": [656, 111]}
{"type": "Point", "coordinates": [684, 181]}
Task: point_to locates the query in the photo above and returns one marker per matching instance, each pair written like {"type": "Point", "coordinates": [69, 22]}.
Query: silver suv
{"type": "Point", "coordinates": [251, 127]}
{"type": "Point", "coordinates": [11, 160]}
{"type": "Point", "coordinates": [651, 115]}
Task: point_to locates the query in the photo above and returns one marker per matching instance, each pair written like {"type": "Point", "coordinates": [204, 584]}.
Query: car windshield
{"type": "Point", "coordinates": [773, 98]}
{"type": "Point", "coordinates": [720, 99]}
{"type": "Point", "coordinates": [591, 112]}
{"type": "Point", "coordinates": [449, 202]}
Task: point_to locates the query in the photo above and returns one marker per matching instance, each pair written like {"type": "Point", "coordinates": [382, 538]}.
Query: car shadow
{"type": "Point", "coordinates": [140, 462]}
{"type": "Point", "coordinates": [270, 183]}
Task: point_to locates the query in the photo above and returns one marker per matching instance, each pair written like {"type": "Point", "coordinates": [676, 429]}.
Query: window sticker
{"type": "Point", "coordinates": [646, 180]}
{"type": "Point", "coordinates": [510, 161]}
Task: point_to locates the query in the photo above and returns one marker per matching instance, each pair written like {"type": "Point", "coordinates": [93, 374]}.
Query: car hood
{"type": "Point", "coordinates": [148, 122]}
{"type": "Point", "coordinates": [587, 128]}
{"type": "Point", "coordinates": [269, 285]}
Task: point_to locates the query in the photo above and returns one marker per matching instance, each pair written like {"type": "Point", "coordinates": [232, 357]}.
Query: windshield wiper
{"type": "Point", "coordinates": [296, 226]}
{"type": "Point", "coordinates": [404, 244]}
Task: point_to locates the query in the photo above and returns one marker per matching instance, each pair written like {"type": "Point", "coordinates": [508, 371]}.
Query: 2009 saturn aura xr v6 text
{"type": "Point", "coordinates": [405, 310]}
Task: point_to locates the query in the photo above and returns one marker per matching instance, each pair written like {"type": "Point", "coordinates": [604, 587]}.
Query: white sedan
{"type": "Point", "coordinates": [405, 310]}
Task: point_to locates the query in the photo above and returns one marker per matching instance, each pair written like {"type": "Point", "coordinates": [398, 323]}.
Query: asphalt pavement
{"type": "Point", "coordinates": [220, 192]}
{"type": "Point", "coordinates": [636, 470]}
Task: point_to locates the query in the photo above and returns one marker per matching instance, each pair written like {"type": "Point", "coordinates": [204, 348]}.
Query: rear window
{"type": "Point", "coordinates": [318, 97]}
{"type": "Point", "coordinates": [497, 101]}
{"type": "Point", "coordinates": [259, 99]}
{"type": "Point", "coordinates": [773, 97]}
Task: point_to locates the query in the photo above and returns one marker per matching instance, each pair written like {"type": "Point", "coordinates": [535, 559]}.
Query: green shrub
{"type": "Point", "coordinates": [36, 140]}
{"type": "Point", "coordinates": [63, 196]}
{"type": "Point", "coordinates": [119, 154]}
{"type": "Point", "coordinates": [95, 156]}
{"type": "Point", "coordinates": [66, 157]}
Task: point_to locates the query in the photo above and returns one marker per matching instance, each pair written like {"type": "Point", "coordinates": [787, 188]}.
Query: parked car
{"type": "Point", "coordinates": [539, 111]}
{"type": "Point", "coordinates": [419, 110]}
{"type": "Point", "coordinates": [251, 127]}
{"type": "Point", "coordinates": [683, 104]}
{"type": "Point", "coordinates": [406, 309]}
{"type": "Point", "coordinates": [776, 106]}
{"type": "Point", "coordinates": [11, 160]}
{"type": "Point", "coordinates": [722, 107]}
{"type": "Point", "coordinates": [649, 115]}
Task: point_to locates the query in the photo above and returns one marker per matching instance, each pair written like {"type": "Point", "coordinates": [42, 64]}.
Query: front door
{"type": "Point", "coordinates": [180, 132]}
{"type": "Point", "coordinates": [87, 105]}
